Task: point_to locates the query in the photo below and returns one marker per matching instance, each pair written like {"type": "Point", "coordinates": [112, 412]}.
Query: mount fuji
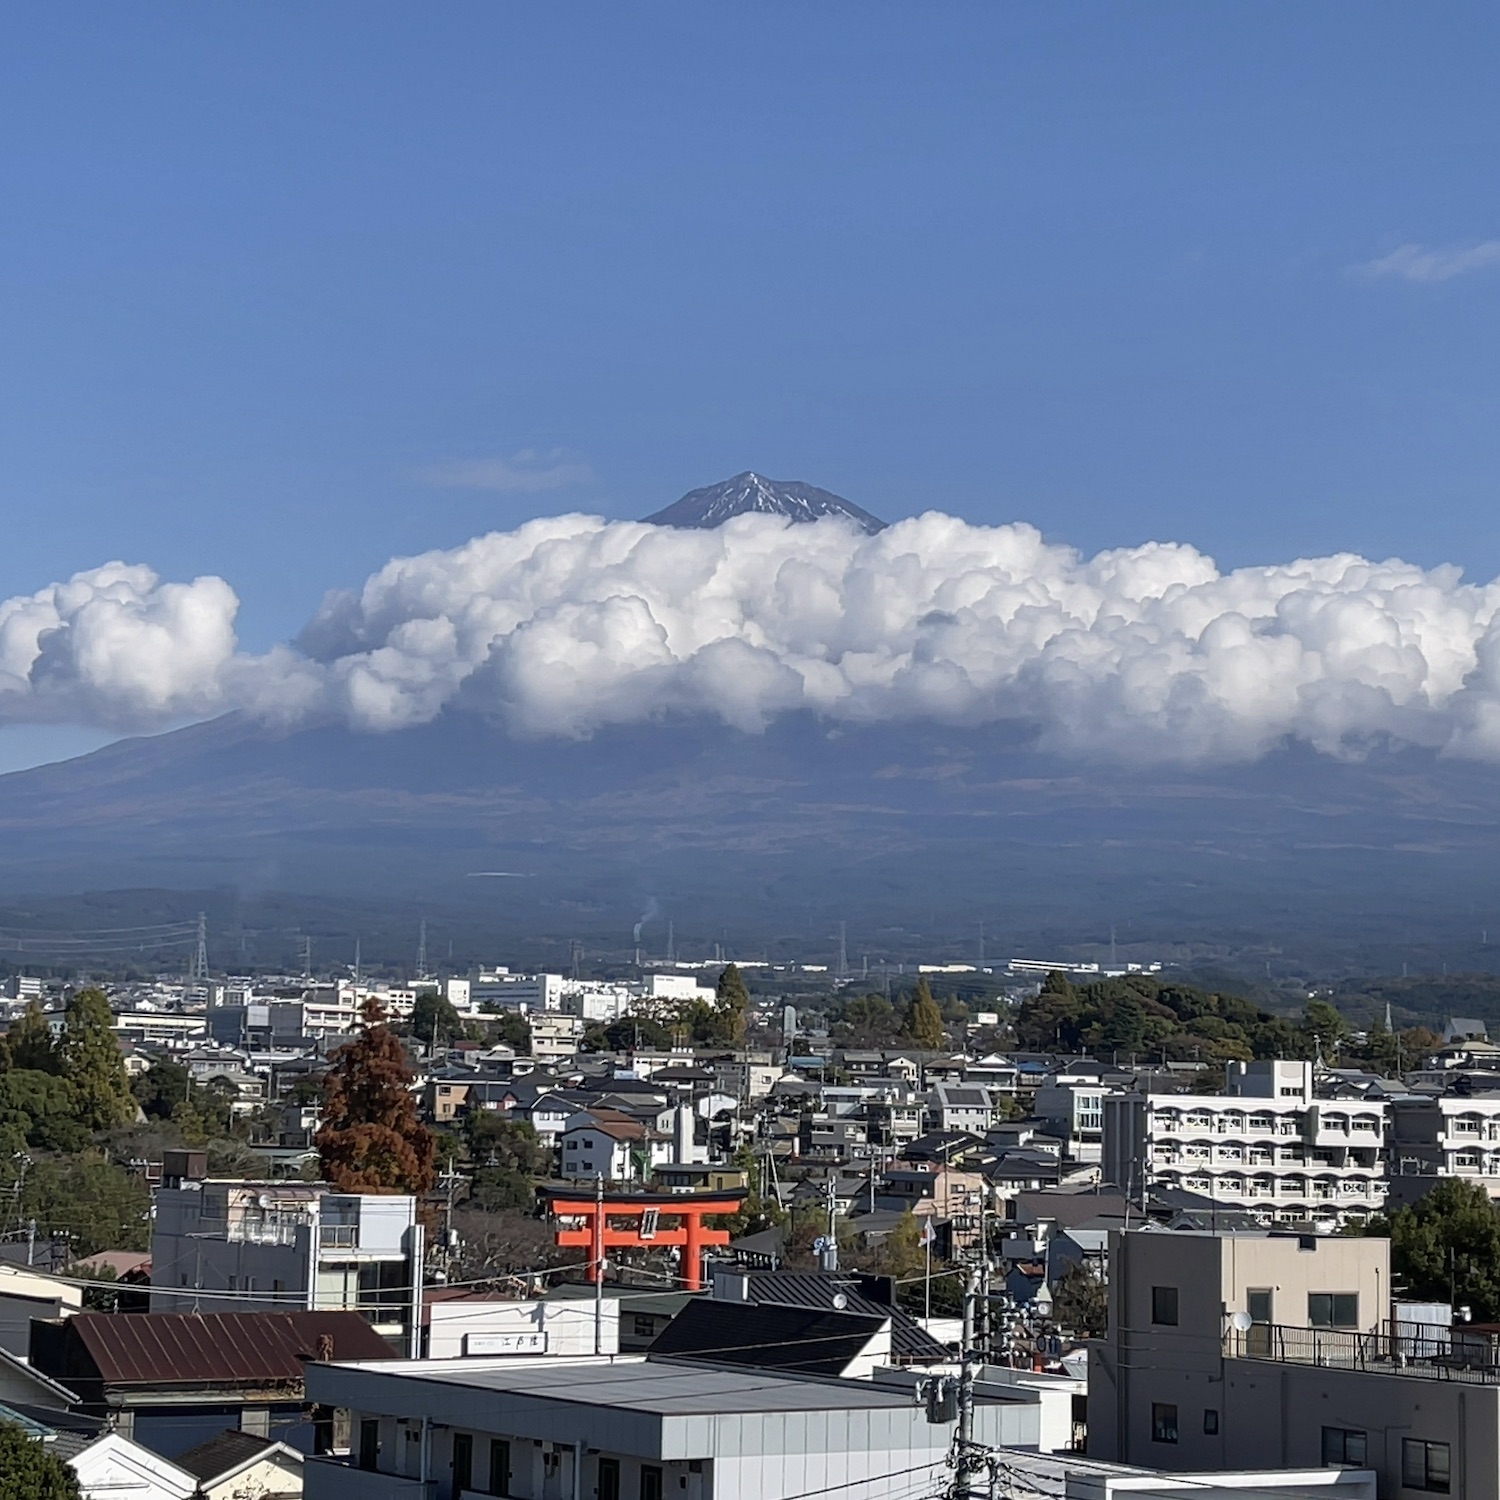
{"type": "Point", "coordinates": [752, 494]}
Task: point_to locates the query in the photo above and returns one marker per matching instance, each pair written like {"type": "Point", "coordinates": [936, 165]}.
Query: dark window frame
{"type": "Point", "coordinates": [1164, 1301]}
{"type": "Point", "coordinates": [1333, 1309]}
{"type": "Point", "coordinates": [1164, 1428]}
{"type": "Point", "coordinates": [653, 1482]}
{"type": "Point", "coordinates": [1417, 1455]}
{"type": "Point", "coordinates": [499, 1466]}
{"type": "Point", "coordinates": [1345, 1445]}
{"type": "Point", "coordinates": [608, 1485]}
{"type": "Point", "coordinates": [1210, 1422]}
{"type": "Point", "coordinates": [463, 1461]}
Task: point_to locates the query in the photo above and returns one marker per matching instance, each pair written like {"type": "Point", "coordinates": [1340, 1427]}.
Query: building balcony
{"type": "Point", "coordinates": [334, 1479]}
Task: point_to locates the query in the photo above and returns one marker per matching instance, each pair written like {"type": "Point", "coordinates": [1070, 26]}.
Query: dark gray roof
{"type": "Point", "coordinates": [220, 1454]}
{"type": "Point", "coordinates": [909, 1340]}
{"type": "Point", "coordinates": [799, 1340]}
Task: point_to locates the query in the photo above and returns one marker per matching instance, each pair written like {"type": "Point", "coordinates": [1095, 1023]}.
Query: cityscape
{"type": "Point", "coordinates": [541, 961]}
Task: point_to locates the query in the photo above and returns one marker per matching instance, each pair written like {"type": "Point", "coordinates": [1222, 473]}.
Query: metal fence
{"type": "Point", "coordinates": [1427, 1354]}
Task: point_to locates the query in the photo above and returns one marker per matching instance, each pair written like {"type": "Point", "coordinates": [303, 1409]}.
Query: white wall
{"type": "Point", "coordinates": [526, 1329]}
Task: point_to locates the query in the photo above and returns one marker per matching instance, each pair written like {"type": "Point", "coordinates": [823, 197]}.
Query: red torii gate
{"type": "Point", "coordinates": [646, 1216]}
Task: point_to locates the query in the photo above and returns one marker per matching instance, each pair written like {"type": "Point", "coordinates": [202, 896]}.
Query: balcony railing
{"type": "Point", "coordinates": [1428, 1354]}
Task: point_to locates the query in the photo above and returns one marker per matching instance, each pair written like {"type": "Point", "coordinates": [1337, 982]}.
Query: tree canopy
{"type": "Point", "coordinates": [922, 1024]}
{"type": "Point", "coordinates": [92, 1063]}
{"type": "Point", "coordinates": [371, 1140]}
{"type": "Point", "coordinates": [1447, 1244]}
{"type": "Point", "coordinates": [29, 1472]}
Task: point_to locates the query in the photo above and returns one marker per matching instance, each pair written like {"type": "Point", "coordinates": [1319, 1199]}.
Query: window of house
{"type": "Point", "coordinates": [1344, 1445]}
{"type": "Point", "coordinates": [650, 1482]}
{"type": "Point", "coordinates": [1258, 1305]}
{"type": "Point", "coordinates": [1333, 1309]}
{"type": "Point", "coordinates": [1164, 1306]}
{"type": "Point", "coordinates": [1210, 1422]}
{"type": "Point", "coordinates": [1163, 1422]}
{"type": "Point", "coordinates": [499, 1466]}
{"type": "Point", "coordinates": [1424, 1466]}
{"type": "Point", "coordinates": [644, 1326]}
{"type": "Point", "coordinates": [609, 1479]}
{"type": "Point", "coordinates": [463, 1461]}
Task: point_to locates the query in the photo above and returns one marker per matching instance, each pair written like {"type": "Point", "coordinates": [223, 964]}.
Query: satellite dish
{"type": "Point", "coordinates": [264, 1201]}
{"type": "Point", "coordinates": [1241, 1322]}
{"type": "Point", "coordinates": [840, 1301]}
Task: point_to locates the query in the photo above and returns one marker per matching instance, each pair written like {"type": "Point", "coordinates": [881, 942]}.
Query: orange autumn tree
{"type": "Point", "coordinates": [371, 1140]}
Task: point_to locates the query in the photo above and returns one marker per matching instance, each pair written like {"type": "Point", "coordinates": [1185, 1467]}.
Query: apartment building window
{"type": "Point", "coordinates": [499, 1466]}
{"type": "Point", "coordinates": [1424, 1466]}
{"type": "Point", "coordinates": [1344, 1445]}
{"type": "Point", "coordinates": [1163, 1422]}
{"type": "Point", "coordinates": [463, 1461]}
{"type": "Point", "coordinates": [1333, 1309]}
{"type": "Point", "coordinates": [1164, 1307]}
{"type": "Point", "coordinates": [609, 1479]}
{"type": "Point", "coordinates": [650, 1482]}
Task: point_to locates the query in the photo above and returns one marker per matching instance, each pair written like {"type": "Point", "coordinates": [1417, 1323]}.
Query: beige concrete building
{"type": "Point", "coordinates": [1230, 1351]}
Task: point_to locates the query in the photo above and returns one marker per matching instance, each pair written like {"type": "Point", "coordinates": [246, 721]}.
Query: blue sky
{"type": "Point", "coordinates": [286, 290]}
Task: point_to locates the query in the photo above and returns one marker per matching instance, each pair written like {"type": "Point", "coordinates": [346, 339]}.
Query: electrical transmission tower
{"type": "Point", "coordinates": [843, 951]}
{"type": "Point", "coordinates": [200, 962]}
{"type": "Point", "coordinates": [422, 950]}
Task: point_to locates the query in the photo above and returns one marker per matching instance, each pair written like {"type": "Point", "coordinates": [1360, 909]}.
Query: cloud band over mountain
{"type": "Point", "coordinates": [569, 624]}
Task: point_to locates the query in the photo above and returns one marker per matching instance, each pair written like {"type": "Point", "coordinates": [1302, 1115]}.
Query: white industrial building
{"type": "Point", "coordinates": [632, 1429]}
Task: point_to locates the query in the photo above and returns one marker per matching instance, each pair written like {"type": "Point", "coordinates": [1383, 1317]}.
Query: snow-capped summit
{"type": "Point", "coordinates": [747, 492]}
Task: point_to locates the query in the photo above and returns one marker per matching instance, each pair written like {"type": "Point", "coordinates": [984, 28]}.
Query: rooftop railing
{"type": "Point", "coordinates": [1424, 1353]}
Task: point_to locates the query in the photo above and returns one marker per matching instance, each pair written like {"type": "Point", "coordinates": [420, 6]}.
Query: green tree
{"type": "Point", "coordinates": [29, 1472]}
{"type": "Point", "coordinates": [371, 1140]}
{"type": "Point", "coordinates": [30, 1044]}
{"type": "Point", "coordinates": [733, 1005]}
{"type": "Point", "coordinates": [94, 1203]}
{"type": "Point", "coordinates": [161, 1088]}
{"type": "Point", "coordinates": [434, 1021]}
{"type": "Point", "coordinates": [1054, 1018]}
{"type": "Point", "coordinates": [1323, 1027]}
{"type": "Point", "coordinates": [92, 1063]}
{"type": "Point", "coordinates": [44, 1108]}
{"type": "Point", "coordinates": [514, 1030]}
{"type": "Point", "coordinates": [1446, 1246]}
{"type": "Point", "coordinates": [1080, 1303]}
{"type": "Point", "coordinates": [922, 1024]}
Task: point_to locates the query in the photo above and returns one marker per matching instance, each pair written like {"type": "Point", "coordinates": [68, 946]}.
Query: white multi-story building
{"type": "Point", "coordinates": [231, 1246]}
{"type": "Point", "coordinates": [1450, 1136]}
{"type": "Point", "coordinates": [1269, 1146]}
{"type": "Point", "coordinates": [1075, 1104]}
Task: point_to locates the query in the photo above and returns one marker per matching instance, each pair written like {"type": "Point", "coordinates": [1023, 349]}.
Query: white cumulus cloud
{"type": "Point", "coordinates": [116, 647]}
{"type": "Point", "coordinates": [569, 624]}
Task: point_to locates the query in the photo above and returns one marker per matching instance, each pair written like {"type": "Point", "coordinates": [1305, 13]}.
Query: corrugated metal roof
{"type": "Point", "coordinates": [251, 1348]}
{"type": "Point", "coordinates": [817, 1289]}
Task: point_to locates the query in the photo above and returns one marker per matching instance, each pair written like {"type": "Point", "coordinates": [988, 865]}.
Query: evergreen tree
{"type": "Point", "coordinates": [93, 1064]}
{"type": "Point", "coordinates": [1080, 1303]}
{"type": "Point", "coordinates": [733, 1005]}
{"type": "Point", "coordinates": [30, 1044]}
{"type": "Point", "coordinates": [1447, 1244]}
{"type": "Point", "coordinates": [434, 1021]}
{"type": "Point", "coordinates": [29, 1472]}
{"type": "Point", "coordinates": [371, 1140]}
{"type": "Point", "coordinates": [923, 1022]}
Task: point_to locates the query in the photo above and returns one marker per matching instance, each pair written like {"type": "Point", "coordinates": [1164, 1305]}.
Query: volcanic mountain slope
{"type": "Point", "coordinates": [749, 493]}
{"type": "Point", "coordinates": [912, 836]}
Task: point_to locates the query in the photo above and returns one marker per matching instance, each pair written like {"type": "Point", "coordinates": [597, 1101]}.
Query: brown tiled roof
{"type": "Point", "coordinates": [249, 1348]}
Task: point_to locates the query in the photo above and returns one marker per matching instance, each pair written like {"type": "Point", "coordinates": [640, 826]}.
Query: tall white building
{"type": "Point", "coordinates": [1268, 1146]}
{"type": "Point", "coordinates": [231, 1246]}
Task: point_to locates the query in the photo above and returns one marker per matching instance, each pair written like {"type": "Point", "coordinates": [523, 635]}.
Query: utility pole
{"type": "Point", "coordinates": [599, 1264]}
{"type": "Point", "coordinates": [831, 1253]}
{"type": "Point", "coordinates": [966, 1459]}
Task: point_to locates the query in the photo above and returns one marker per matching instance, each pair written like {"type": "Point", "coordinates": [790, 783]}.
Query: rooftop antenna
{"type": "Point", "coordinates": [422, 950]}
{"type": "Point", "coordinates": [200, 967]}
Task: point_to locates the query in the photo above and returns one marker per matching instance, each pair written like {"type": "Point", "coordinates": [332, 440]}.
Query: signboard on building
{"type": "Point", "coordinates": [505, 1343]}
